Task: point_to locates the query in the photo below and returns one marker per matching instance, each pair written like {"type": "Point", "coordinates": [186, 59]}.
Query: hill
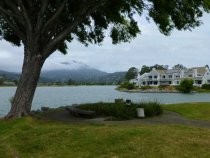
{"type": "Point", "coordinates": [9, 75]}
{"type": "Point", "coordinates": [81, 75]}
{"type": "Point", "coordinates": [84, 75]}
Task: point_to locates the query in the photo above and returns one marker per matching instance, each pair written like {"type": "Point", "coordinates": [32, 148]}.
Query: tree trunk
{"type": "Point", "coordinates": [22, 101]}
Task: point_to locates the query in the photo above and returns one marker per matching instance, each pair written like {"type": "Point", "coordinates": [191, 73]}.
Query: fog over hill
{"type": "Point", "coordinates": [81, 72]}
{"type": "Point", "coordinates": [75, 71]}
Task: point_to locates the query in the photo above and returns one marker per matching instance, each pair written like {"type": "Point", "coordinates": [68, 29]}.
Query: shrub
{"type": "Point", "coordinates": [162, 87]}
{"type": "Point", "coordinates": [146, 87]}
{"type": "Point", "coordinates": [186, 86]}
{"type": "Point", "coordinates": [1, 81]}
{"type": "Point", "coordinates": [206, 86]}
{"type": "Point", "coordinates": [127, 85]}
{"type": "Point", "coordinates": [123, 111]}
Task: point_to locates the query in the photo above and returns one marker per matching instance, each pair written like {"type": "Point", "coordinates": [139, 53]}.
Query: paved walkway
{"type": "Point", "coordinates": [168, 117]}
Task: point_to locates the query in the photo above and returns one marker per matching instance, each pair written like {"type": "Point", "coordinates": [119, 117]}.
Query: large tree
{"type": "Point", "coordinates": [178, 67]}
{"type": "Point", "coordinates": [44, 26]}
{"type": "Point", "coordinates": [146, 69]}
{"type": "Point", "coordinates": [132, 73]}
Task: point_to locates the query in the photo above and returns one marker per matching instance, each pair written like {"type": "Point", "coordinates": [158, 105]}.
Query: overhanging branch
{"type": "Point", "coordinates": [85, 12]}
{"type": "Point", "coordinates": [12, 6]}
{"type": "Point", "coordinates": [25, 15]}
{"type": "Point", "coordinates": [41, 15]}
{"type": "Point", "coordinates": [54, 17]}
{"type": "Point", "coordinates": [15, 28]}
{"type": "Point", "coordinates": [8, 13]}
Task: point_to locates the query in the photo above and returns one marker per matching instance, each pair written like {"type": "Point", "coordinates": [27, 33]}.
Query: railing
{"type": "Point", "coordinates": [152, 79]}
{"type": "Point", "coordinates": [166, 79]}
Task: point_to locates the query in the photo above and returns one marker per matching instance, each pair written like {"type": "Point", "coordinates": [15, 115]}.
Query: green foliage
{"type": "Point", "coordinates": [162, 87]}
{"type": "Point", "coordinates": [123, 111]}
{"type": "Point", "coordinates": [71, 82]}
{"type": "Point", "coordinates": [2, 81]}
{"type": "Point", "coordinates": [174, 14]}
{"type": "Point", "coordinates": [90, 19]}
{"type": "Point", "coordinates": [178, 67]}
{"type": "Point", "coordinates": [127, 85]}
{"type": "Point", "coordinates": [160, 67]}
{"type": "Point", "coordinates": [186, 86]}
{"type": "Point", "coordinates": [131, 74]}
{"type": "Point", "coordinates": [146, 69]}
{"type": "Point", "coordinates": [206, 86]}
{"type": "Point", "coordinates": [146, 87]}
{"type": "Point", "coordinates": [16, 82]}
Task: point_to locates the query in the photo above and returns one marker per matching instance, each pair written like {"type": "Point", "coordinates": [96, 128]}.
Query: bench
{"type": "Point", "coordinates": [79, 112]}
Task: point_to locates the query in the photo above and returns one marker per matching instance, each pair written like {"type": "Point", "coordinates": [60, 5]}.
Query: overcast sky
{"type": "Point", "coordinates": [151, 47]}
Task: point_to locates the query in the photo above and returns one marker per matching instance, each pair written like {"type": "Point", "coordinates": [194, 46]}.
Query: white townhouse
{"type": "Point", "coordinates": [200, 76]}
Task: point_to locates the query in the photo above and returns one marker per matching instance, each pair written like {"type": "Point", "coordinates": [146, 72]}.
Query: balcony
{"type": "Point", "coordinates": [166, 79]}
{"type": "Point", "coordinates": [152, 79]}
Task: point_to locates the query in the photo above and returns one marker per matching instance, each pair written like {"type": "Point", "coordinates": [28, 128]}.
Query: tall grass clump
{"type": "Point", "coordinates": [122, 111]}
{"type": "Point", "coordinates": [206, 86]}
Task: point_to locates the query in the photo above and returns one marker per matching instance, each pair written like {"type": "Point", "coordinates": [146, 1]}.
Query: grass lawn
{"type": "Point", "coordinates": [29, 137]}
{"type": "Point", "coordinates": [199, 111]}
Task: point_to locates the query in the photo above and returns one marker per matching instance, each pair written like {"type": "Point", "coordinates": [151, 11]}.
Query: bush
{"type": "Point", "coordinates": [206, 86]}
{"type": "Point", "coordinates": [162, 87]}
{"type": "Point", "coordinates": [186, 86]}
{"type": "Point", "coordinates": [123, 111]}
{"type": "Point", "coordinates": [146, 87]}
{"type": "Point", "coordinates": [1, 81]}
{"type": "Point", "coordinates": [127, 85]}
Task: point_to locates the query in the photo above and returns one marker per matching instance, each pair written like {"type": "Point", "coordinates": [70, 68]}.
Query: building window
{"type": "Point", "coordinates": [199, 82]}
{"type": "Point", "coordinates": [169, 76]}
{"type": "Point", "coordinates": [169, 82]}
{"type": "Point", "coordinates": [155, 83]}
{"type": "Point", "coordinates": [189, 75]}
{"type": "Point", "coordinates": [177, 82]}
{"type": "Point", "coordinates": [150, 77]}
{"type": "Point", "coordinates": [155, 76]}
{"type": "Point", "coordinates": [177, 76]}
{"type": "Point", "coordinates": [164, 76]}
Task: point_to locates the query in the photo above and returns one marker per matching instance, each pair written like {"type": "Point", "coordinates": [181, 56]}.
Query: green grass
{"type": "Point", "coordinates": [201, 90]}
{"type": "Point", "coordinates": [199, 111]}
{"type": "Point", "coordinates": [28, 137]}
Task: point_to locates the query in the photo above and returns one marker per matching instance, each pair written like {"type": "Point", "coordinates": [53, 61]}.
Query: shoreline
{"type": "Point", "coordinates": [147, 91]}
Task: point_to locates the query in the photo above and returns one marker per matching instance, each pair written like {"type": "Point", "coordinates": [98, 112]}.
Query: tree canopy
{"type": "Point", "coordinates": [186, 86]}
{"type": "Point", "coordinates": [178, 67]}
{"type": "Point", "coordinates": [131, 73]}
{"type": "Point", "coordinates": [146, 69]}
{"type": "Point", "coordinates": [59, 22]}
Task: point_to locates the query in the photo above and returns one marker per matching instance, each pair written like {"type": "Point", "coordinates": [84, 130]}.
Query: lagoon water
{"type": "Point", "coordinates": [62, 96]}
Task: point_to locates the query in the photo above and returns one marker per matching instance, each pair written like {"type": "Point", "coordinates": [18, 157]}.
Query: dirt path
{"type": "Point", "coordinates": [168, 117]}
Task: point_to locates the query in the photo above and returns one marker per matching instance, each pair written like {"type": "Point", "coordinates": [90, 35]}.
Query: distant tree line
{"type": "Point", "coordinates": [2, 80]}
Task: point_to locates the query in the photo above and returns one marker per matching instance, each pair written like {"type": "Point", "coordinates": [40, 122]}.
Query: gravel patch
{"type": "Point", "coordinates": [167, 117]}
